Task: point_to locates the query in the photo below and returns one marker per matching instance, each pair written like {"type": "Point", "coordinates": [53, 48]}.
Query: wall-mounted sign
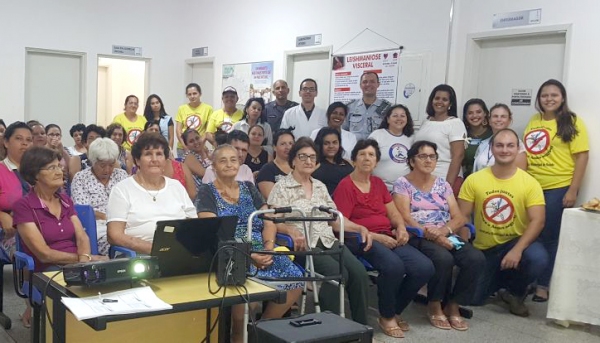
{"type": "Point", "coordinates": [520, 18]}
{"type": "Point", "coordinates": [127, 50]}
{"type": "Point", "coordinates": [520, 97]}
{"type": "Point", "coordinates": [197, 52]}
{"type": "Point", "coordinates": [309, 40]}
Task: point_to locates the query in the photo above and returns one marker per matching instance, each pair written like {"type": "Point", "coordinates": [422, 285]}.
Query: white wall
{"type": "Point", "coordinates": [582, 56]}
{"type": "Point", "coordinates": [240, 32]}
{"type": "Point", "coordinates": [93, 27]}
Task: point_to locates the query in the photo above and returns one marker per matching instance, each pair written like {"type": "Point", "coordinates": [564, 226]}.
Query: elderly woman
{"type": "Point", "coordinates": [225, 197]}
{"type": "Point", "coordinates": [403, 270]}
{"type": "Point", "coordinates": [500, 119]}
{"type": "Point", "coordinates": [92, 186]}
{"type": "Point", "coordinates": [427, 202]}
{"type": "Point", "coordinates": [116, 132]}
{"type": "Point", "coordinates": [332, 166]}
{"type": "Point", "coordinates": [45, 219]}
{"type": "Point", "coordinates": [283, 139]}
{"type": "Point", "coordinates": [17, 139]}
{"type": "Point", "coordinates": [300, 190]}
{"type": "Point", "coordinates": [336, 114]}
{"type": "Point", "coordinates": [138, 202]}
{"type": "Point", "coordinates": [395, 136]}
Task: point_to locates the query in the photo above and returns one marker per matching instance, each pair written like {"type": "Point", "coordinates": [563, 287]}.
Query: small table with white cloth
{"type": "Point", "coordinates": [575, 286]}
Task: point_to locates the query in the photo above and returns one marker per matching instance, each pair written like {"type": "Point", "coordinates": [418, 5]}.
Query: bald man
{"type": "Point", "coordinates": [276, 109]}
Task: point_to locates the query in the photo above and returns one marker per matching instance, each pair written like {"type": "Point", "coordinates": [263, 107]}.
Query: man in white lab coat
{"type": "Point", "coordinates": [305, 117]}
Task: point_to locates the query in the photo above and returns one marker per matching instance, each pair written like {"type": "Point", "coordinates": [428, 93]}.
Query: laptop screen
{"type": "Point", "coordinates": [187, 246]}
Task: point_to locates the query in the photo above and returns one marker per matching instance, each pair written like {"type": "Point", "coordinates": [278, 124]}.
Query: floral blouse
{"type": "Point", "coordinates": [427, 207]}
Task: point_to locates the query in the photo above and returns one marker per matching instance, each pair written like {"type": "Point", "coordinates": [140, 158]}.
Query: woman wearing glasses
{"type": "Point", "coordinates": [299, 189]}
{"type": "Point", "coordinates": [45, 218]}
{"type": "Point", "coordinates": [427, 202]}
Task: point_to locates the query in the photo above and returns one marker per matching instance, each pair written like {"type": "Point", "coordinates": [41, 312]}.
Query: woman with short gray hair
{"type": "Point", "coordinates": [92, 186]}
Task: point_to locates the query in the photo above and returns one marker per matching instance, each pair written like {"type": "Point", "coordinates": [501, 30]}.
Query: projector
{"type": "Point", "coordinates": [111, 271]}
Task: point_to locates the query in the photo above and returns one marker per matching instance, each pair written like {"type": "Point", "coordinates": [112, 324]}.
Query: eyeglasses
{"type": "Point", "coordinates": [309, 89]}
{"type": "Point", "coordinates": [304, 157]}
{"type": "Point", "coordinates": [423, 157]}
{"type": "Point", "coordinates": [53, 168]}
{"type": "Point", "coordinates": [54, 134]}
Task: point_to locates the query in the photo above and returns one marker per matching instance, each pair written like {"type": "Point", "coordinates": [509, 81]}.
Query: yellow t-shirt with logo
{"type": "Point", "coordinates": [220, 119]}
{"type": "Point", "coordinates": [133, 128]}
{"type": "Point", "coordinates": [549, 159]}
{"type": "Point", "coordinates": [193, 118]}
{"type": "Point", "coordinates": [500, 206]}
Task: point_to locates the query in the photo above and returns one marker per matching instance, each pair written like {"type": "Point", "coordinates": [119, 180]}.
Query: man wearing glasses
{"type": "Point", "coordinates": [306, 117]}
{"type": "Point", "coordinates": [508, 205]}
{"type": "Point", "coordinates": [366, 114]}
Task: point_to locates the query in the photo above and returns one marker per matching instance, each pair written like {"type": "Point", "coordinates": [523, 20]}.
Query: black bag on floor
{"type": "Point", "coordinates": [316, 327]}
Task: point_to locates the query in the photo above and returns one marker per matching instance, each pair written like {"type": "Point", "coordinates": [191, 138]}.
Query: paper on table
{"type": "Point", "coordinates": [134, 300]}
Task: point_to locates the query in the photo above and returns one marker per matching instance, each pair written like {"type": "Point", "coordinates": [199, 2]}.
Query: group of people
{"type": "Point", "coordinates": [400, 190]}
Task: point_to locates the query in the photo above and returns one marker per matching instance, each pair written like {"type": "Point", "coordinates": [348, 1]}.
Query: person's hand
{"type": "Point", "coordinates": [386, 240]}
{"type": "Point", "coordinates": [299, 240]}
{"type": "Point", "coordinates": [569, 198]}
{"type": "Point", "coordinates": [7, 226]}
{"type": "Point", "coordinates": [432, 232]}
{"type": "Point", "coordinates": [99, 258]}
{"type": "Point", "coordinates": [367, 239]}
{"type": "Point", "coordinates": [444, 242]}
{"type": "Point", "coordinates": [401, 236]}
{"type": "Point", "coordinates": [262, 261]}
{"type": "Point", "coordinates": [511, 260]}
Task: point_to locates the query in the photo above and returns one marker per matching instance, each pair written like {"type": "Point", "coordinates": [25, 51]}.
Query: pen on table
{"type": "Point", "coordinates": [104, 300]}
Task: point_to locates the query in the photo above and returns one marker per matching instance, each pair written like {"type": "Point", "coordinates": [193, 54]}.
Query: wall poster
{"type": "Point", "coordinates": [347, 69]}
{"type": "Point", "coordinates": [249, 79]}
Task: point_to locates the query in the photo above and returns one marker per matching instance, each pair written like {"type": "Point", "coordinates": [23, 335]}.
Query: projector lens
{"type": "Point", "coordinates": [139, 267]}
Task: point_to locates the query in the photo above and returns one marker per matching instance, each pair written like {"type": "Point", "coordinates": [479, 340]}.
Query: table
{"type": "Point", "coordinates": [194, 311]}
{"type": "Point", "coordinates": [575, 285]}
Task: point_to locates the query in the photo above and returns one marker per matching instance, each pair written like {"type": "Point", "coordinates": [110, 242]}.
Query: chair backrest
{"type": "Point", "coordinates": [86, 216]}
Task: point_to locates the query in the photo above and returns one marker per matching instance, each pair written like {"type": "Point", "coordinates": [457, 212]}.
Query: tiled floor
{"type": "Point", "coordinates": [490, 323]}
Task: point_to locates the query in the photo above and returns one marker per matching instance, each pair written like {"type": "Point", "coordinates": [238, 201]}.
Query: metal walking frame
{"type": "Point", "coordinates": [309, 270]}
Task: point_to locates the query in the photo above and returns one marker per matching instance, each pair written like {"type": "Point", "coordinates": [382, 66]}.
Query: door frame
{"type": "Point", "coordinates": [82, 56]}
{"type": "Point", "coordinates": [473, 50]}
{"type": "Point", "coordinates": [189, 66]}
{"type": "Point", "coordinates": [288, 58]}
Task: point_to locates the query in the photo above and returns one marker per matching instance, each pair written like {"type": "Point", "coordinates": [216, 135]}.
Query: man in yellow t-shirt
{"type": "Point", "coordinates": [509, 213]}
{"type": "Point", "coordinates": [133, 128]}
{"type": "Point", "coordinates": [193, 115]}
{"type": "Point", "coordinates": [227, 116]}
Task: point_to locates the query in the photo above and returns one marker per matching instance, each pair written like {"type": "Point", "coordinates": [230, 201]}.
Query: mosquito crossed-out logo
{"type": "Point", "coordinates": [498, 209]}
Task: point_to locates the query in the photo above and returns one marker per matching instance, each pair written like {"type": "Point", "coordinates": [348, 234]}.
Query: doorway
{"type": "Point", "coordinates": [309, 63]}
{"type": "Point", "coordinates": [201, 70]}
{"type": "Point", "coordinates": [55, 87]}
{"type": "Point", "coordinates": [512, 67]}
{"type": "Point", "coordinates": [119, 77]}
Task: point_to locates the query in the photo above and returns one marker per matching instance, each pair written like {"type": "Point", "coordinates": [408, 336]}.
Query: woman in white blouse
{"type": "Point", "coordinates": [443, 128]}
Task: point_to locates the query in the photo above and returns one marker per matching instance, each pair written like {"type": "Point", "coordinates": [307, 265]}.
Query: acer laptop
{"type": "Point", "coordinates": [187, 246]}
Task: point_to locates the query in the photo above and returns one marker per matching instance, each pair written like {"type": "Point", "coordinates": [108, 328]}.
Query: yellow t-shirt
{"type": "Point", "coordinates": [549, 159]}
{"type": "Point", "coordinates": [500, 206]}
{"type": "Point", "coordinates": [193, 118]}
{"type": "Point", "coordinates": [133, 128]}
{"type": "Point", "coordinates": [223, 120]}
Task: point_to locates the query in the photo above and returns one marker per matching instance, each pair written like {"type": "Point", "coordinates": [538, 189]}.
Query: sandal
{"type": "Point", "coordinates": [458, 323]}
{"type": "Point", "coordinates": [394, 331]}
{"type": "Point", "coordinates": [26, 322]}
{"type": "Point", "coordinates": [539, 299]}
{"type": "Point", "coordinates": [439, 321]}
{"type": "Point", "coordinates": [402, 324]}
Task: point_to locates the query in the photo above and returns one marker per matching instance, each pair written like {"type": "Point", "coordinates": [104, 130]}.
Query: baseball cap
{"type": "Point", "coordinates": [229, 89]}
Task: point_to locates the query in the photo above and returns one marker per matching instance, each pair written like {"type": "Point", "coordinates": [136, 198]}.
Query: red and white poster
{"type": "Point", "coordinates": [347, 69]}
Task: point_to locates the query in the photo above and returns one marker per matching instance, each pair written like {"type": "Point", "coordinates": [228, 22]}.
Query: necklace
{"type": "Point", "coordinates": [223, 191]}
{"type": "Point", "coordinates": [142, 183]}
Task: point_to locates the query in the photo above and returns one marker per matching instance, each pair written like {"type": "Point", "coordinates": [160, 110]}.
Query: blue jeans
{"type": "Point", "coordinates": [402, 272]}
{"type": "Point", "coordinates": [533, 262]}
{"type": "Point", "coordinates": [551, 232]}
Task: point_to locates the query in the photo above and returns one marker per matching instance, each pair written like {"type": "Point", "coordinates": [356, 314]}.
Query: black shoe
{"type": "Point", "coordinates": [536, 298]}
{"type": "Point", "coordinates": [516, 304]}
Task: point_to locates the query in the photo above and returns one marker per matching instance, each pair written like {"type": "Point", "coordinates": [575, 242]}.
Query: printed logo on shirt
{"type": "Point", "coordinates": [226, 126]}
{"type": "Point", "coordinates": [133, 135]}
{"type": "Point", "coordinates": [498, 209]}
{"type": "Point", "coordinates": [398, 153]}
{"type": "Point", "coordinates": [537, 141]}
{"type": "Point", "coordinates": [193, 122]}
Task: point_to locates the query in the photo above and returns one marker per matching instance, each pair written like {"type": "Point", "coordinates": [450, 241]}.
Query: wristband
{"type": "Point", "coordinates": [449, 229]}
{"type": "Point", "coordinates": [86, 255]}
{"type": "Point", "coordinates": [269, 241]}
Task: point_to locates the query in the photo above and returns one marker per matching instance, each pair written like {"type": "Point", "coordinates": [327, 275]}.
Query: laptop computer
{"type": "Point", "coordinates": [187, 246]}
